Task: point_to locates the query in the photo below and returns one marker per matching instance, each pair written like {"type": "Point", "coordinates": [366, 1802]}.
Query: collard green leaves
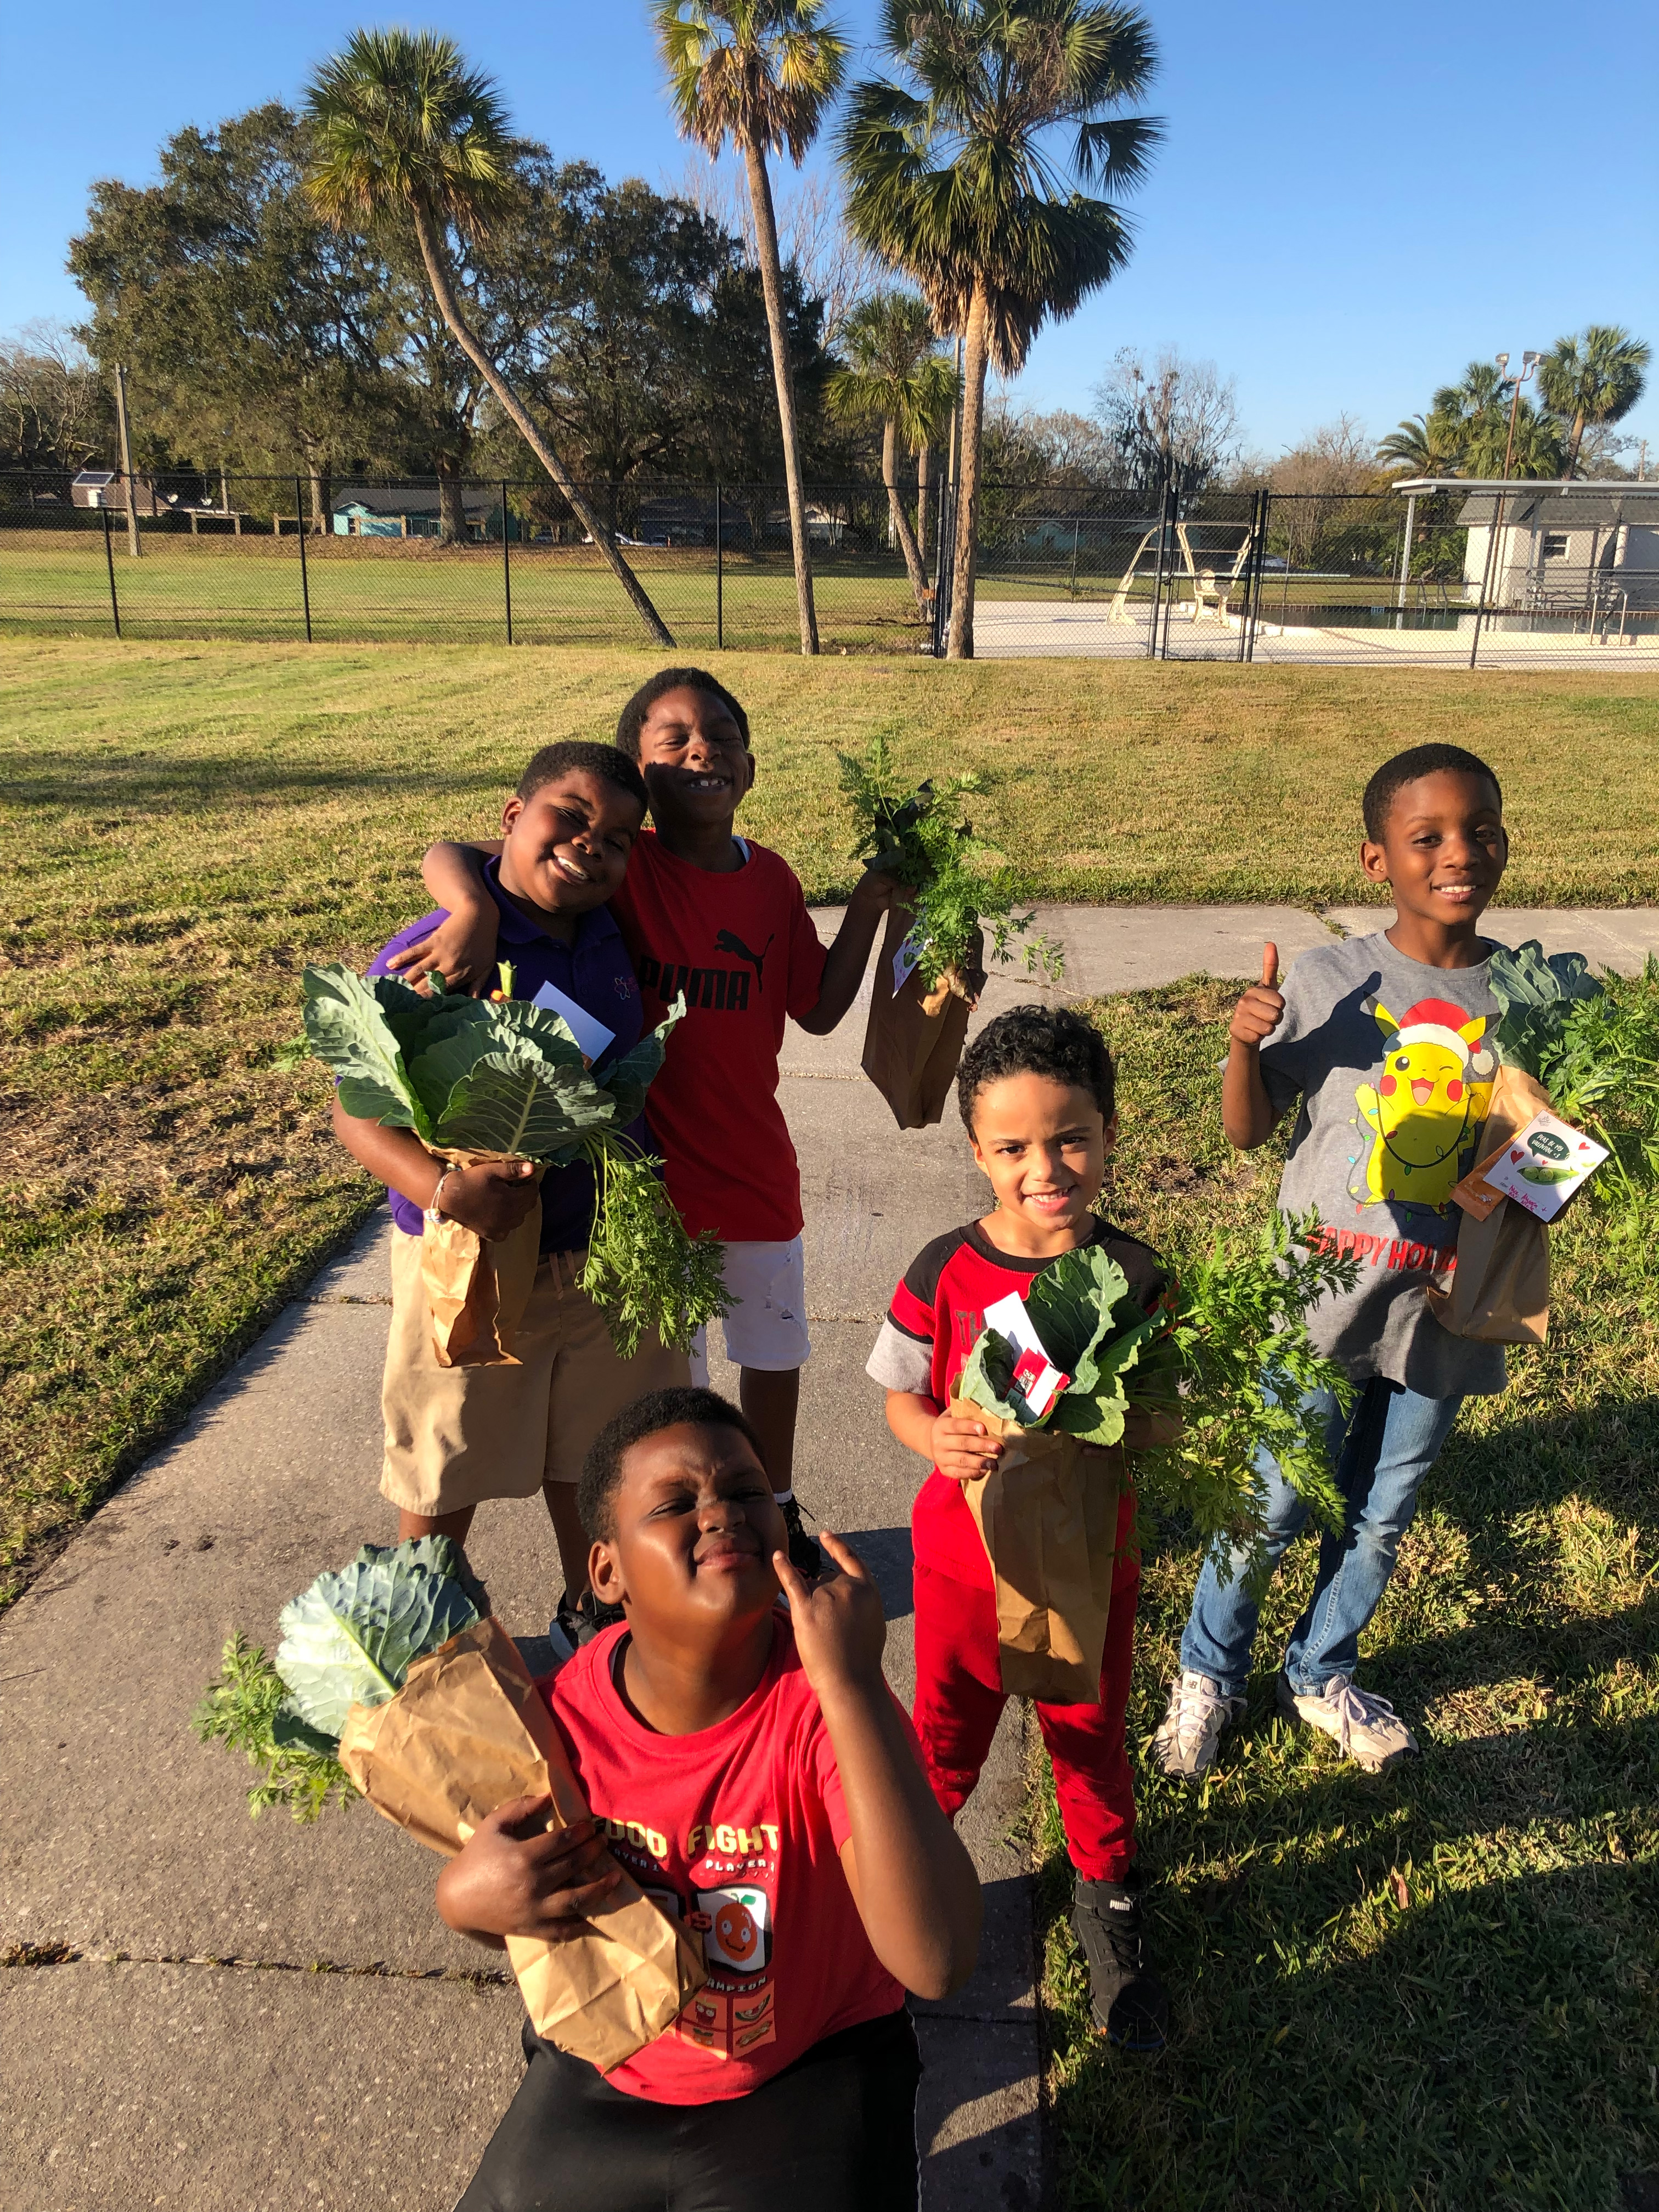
{"type": "Point", "coordinates": [347, 1026]}
{"type": "Point", "coordinates": [353, 1636]}
{"type": "Point", "coordinates": [471, 1074]}
{"type": "Point", "coordinates": [1536, 993]}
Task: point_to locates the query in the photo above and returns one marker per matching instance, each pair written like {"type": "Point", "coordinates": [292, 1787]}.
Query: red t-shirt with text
{"type": "Point", "coordinates": [737, 1831]}
{"type": "Point", "coordinates": [742, 948]}
{"type": "Point", "coordinates": [934, 1322]}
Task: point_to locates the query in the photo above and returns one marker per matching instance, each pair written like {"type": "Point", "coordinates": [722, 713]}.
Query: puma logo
{"type": "Point", "coordinates": [726, 940]}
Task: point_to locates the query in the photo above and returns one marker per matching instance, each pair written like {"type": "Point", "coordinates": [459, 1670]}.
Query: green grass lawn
{"type": "Point", "coordinates": [1433, 1990]}
{"type": "Point", "coordinates": [386, 592]}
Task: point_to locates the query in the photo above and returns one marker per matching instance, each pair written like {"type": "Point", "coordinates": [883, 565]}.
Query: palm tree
{"type": "Point", "coordinates": [404, 130]}
{"type": "Point", "coordinates": [760, 73]}
{"type": "Point", "coordinates": [952, 178]}
{"type": "Point", "coordinates": [1535, 450]}
{"type": "Point", "coordinates": [896, 377]}
{"type": "Point", "coordinates": [1591, 380]}
{"type": "Point", "coordinates": [1422, 445]}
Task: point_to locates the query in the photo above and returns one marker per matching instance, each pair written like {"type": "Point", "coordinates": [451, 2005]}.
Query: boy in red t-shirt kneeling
{"type": "Point", "coordinates": [1036, 1091]}
{"type": "Point", "coordinates": [752, 1769]}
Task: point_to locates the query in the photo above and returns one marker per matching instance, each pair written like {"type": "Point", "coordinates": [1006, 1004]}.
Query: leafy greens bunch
{"type": "Point", "coordinates": [507, 1078]}
{"type": "Point", "coordinates": [1594, 1045]}
{"type": "Point", "coordinates": [922, 837]}
{"type": "Point", "coordinates": [350, 1639]}
{"type": "Point", "coordinates": [1227, 1353]}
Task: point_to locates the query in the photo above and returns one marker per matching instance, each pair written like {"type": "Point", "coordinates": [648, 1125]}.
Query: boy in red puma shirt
{"type": "Point", "coordinates": [705, 912]}
{"type": "Point", "coordinates": [750, 1767]}
{"type": "Point", "coordinates": [1036, 1094]}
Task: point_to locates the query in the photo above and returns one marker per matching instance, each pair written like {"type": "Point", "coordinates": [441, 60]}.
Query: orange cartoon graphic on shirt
{"type": "Point", "coordinates": [1428, 1102]}
{"type": "Point", "coordinates": [735, 1931]}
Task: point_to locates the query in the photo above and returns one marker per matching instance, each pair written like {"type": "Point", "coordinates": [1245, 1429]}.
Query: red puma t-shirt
{"type": "Point", "coordinates": [743, 949]}
{"type": "Point", "coordinates": [737, 1831]}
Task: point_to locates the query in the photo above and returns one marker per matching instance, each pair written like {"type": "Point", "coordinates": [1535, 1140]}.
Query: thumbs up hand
{"type": "Point", "coordinates": [1261, 1009]}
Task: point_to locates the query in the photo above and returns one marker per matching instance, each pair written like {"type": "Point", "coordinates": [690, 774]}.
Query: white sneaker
{"type": "Point", "coordinates": [1363, 1728]}
{"type": "Point", "coordinates": [1185, 1745]}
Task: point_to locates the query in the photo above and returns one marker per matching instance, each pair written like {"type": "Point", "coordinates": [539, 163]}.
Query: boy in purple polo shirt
{"type": "Point", "coordinates": [456, 1436]}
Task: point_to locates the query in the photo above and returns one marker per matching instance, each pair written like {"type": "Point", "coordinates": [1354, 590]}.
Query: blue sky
{"type": "Point", "coordinates": [1351, 203]}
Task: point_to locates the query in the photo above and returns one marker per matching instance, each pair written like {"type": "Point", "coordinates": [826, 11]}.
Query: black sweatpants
{"type": "Point", "coordinates": [835, 2132]}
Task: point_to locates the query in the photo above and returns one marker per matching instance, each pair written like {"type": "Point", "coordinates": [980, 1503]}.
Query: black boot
{"type": "Point", "coordinates": [581, 1622]}
{"type": "Point", "coordinates": [805, 1556]}
{"type": "Point", "coordinates": [1131, 2006]}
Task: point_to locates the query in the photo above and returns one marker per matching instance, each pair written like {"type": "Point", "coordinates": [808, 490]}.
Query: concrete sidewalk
{"type": "Point", "coordinates": [256, 2016]}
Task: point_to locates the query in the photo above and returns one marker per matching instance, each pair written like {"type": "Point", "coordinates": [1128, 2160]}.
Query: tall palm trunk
{"type": "Point", "coordinates": [1574, 442]}
{"type": "Point", "coordinates": [896, 507]}
{"type": "Point", "coordinates": [924, 475]}
{"type": "Point", "coordinates": [975, 361]}
{"type": "Point", "coordinates": [766, 242]}
{"type": "Point", "coordinates": [443, 291]}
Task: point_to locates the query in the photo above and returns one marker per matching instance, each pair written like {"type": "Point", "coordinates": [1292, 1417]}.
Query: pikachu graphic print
{"type": "Point", "coordinates": [1423, 1111]}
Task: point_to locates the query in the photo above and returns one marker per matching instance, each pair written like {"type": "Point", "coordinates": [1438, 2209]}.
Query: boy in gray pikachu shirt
{"type": "Point", "coordinates": [1381, 1046]}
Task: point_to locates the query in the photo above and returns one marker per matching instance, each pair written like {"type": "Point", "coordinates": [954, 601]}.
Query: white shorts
{"type": "Point", "coordinates": [767, 1325]}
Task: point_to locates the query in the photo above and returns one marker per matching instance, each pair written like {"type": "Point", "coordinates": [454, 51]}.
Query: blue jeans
{"type": "Point", "coordinates": [1381, 1451]}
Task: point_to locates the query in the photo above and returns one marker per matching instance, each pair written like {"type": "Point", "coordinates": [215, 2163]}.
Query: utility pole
{"type": "Point", "coordinates": [133, 546]}
{"type": "Point", "coordinates": [1495, 563]}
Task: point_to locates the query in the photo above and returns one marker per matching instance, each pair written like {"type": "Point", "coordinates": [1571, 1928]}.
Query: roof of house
{"type": "Point", "coordinates": [395, 498]}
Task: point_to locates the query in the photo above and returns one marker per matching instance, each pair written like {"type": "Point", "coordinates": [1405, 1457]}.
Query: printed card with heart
{"type": "Point", "coordinates": [1546, 1162]}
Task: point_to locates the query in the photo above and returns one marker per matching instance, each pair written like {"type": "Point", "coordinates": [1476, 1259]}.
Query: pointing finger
{"type": "Point", "coordinates": [1269, 965]}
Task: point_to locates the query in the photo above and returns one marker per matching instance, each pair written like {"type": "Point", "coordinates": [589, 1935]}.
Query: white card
{"type": "Point", "coordinates": [904, 961]}
{"type": "Point", "coordinates": [1009, 1318]}
{"type": "Point", "coordinates": [592, 1036]}
{"type": "Point", "coordinates": [1543, 1164]}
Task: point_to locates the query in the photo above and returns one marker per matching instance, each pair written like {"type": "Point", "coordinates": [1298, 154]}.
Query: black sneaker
{"type": "Point", "coordinates": [581, 1622]}
{"type": "Point", "coordinates": [1131, 2006]}
{"type": "Point", "coordinates": [805, 1556]}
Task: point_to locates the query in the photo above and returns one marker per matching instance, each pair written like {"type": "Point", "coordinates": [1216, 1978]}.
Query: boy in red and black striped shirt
{"type": "Point", "coordinates": [1037, 1095]}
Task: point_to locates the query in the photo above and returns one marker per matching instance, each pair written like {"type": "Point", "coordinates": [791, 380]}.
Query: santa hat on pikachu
{"type": "Point", "coordinates": [1438, 1021]}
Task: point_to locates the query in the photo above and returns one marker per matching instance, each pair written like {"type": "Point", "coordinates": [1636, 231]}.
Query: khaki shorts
{"type": "Point", "coordinates": [456, 1436]}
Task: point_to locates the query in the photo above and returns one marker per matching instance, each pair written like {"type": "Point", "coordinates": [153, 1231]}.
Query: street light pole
{"type": "Point", "coordinates": [1494, 562]}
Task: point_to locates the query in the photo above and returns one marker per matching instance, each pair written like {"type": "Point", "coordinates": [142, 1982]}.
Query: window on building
{"type": "Point", "coordinates": [1555, 544]}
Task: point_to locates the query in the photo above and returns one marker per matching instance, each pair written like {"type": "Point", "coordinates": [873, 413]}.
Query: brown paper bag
{"type": "Point", "coordinates": [1499, 1291]}
{"type": "Point", "coordinates": [467, 1731]}
{"type": "Point", "coordinates": [477, 1291]}
{"type": "Point", "coordinates": [1047, 1518]}
{"type": "Point", "coordinates": [913, 1039]}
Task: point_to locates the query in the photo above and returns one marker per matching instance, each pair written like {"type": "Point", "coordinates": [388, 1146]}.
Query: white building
{"type": "Point", "coordinates": [1562, 549]}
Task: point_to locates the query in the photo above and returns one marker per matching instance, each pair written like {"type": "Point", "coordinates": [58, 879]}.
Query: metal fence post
{"type": "Point", "coordinates": [305, 576]}
{"type": "Point", "coordinates": [507, 566]}
{"type": "Point", "coordinates": [1267, 499]}
{"type": "Point", "coordinates": [109, 562]}
{"type": "Point", "coordinates": [720, 575]}
{"type": "Point", "coordinates": [1076, 525]}
{"type": "Point", "coordinates": [1251, 548]}
{"type": "Point", "coordinates": [1157, 571]}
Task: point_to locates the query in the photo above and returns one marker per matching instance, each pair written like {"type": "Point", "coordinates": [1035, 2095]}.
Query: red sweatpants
{"type": "Point", "coordinates": [959, 1698]}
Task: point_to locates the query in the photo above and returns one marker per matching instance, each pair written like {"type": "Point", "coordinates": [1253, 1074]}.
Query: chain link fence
{"type": "Point", "coordinates": [1533, 575]}
{"type": "Point", "coordinates": [1544, 575]}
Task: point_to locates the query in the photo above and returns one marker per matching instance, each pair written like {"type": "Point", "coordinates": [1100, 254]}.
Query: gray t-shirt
{"type": "Point", "coordinates": [1390, 1064]}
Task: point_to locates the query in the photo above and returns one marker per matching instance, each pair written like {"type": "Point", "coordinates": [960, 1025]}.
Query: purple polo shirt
{"type": "Point", "coordinates": [596, 972]}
